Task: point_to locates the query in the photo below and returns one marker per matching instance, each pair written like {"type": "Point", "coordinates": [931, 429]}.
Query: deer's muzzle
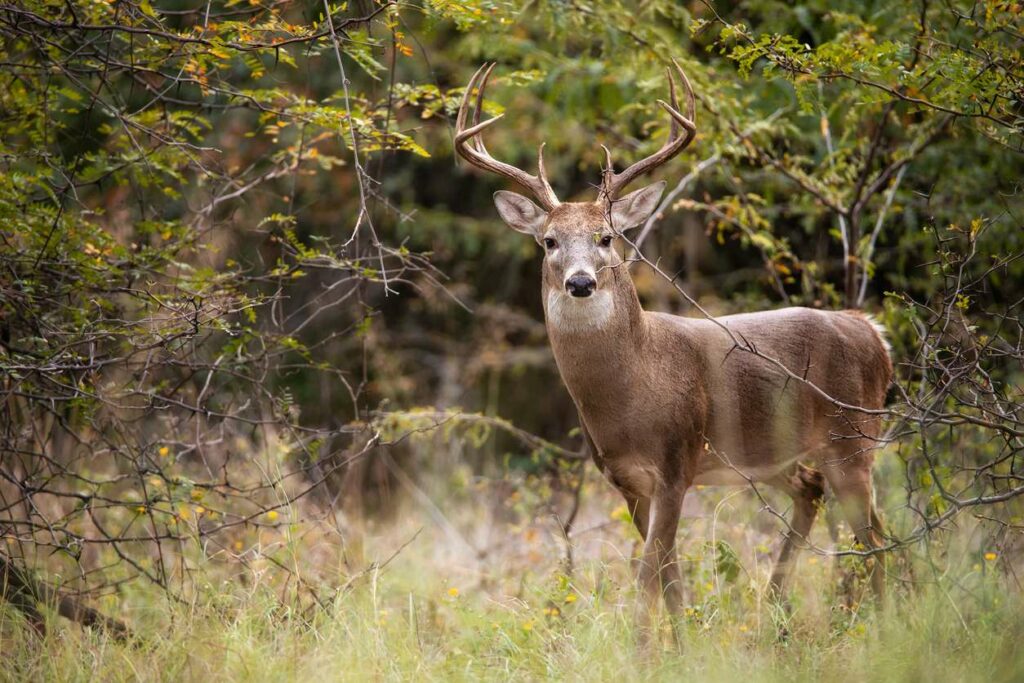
{"type": "Point", "coordinates": [580, 284]}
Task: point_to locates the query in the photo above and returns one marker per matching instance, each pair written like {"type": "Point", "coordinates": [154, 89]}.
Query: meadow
{"type": "Point", "coordinates": [488, 595]}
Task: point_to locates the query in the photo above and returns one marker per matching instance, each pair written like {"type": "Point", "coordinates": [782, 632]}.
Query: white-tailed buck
{"type": "Point", "coordinates": [666, 402]}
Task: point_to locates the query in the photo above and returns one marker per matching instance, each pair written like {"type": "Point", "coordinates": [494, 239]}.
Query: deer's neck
{"type": "Point", "coordinates": [596, 341]}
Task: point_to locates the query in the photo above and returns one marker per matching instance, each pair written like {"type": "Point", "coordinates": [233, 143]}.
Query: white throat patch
{"type": "Point", "coordinates": [578, 314]}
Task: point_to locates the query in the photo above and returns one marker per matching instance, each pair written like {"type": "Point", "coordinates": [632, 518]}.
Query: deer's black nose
{"type": "Point", "coordinates": [580, 285]}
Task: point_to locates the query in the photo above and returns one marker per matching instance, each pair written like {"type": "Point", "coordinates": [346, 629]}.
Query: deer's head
{"type": "Point", "coordinates": [578, 238]}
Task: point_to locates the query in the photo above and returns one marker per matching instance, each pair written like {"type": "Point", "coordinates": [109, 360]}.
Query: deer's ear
{"type": "Point", "coordinates": [520, 213]}
{"type": "Point", "coordinates": [636, 207]}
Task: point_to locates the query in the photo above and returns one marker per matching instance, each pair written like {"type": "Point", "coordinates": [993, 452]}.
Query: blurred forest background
{"type": "Point", "coordinates": [259, 327]}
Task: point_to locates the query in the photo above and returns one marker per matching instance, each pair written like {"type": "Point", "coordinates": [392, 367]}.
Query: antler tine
{"type": "Point", "coordinates": [469, 143]}
{"type": "Point", "coordinates": [479, 83]}
{"type": "Point", "coordinates": [673, 130]}
{"type": "Point", "coordinates": [691, 99]}
{"type": "Point", "coordinates": [479, 107]}
{"type": "Point", "coordinates": [614, 183]}
{"type": "Point", "coordinates": [542, 174]}
{"type": "Point", "coordinates": [689, 122]}
{"type": "Point", "coordinates": [460, 119]}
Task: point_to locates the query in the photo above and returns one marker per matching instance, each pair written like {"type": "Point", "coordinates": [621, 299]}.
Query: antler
{"type": "Point", "coordinates": [470, 145]}
{"type": "Point", "coordinates": [616, 182]}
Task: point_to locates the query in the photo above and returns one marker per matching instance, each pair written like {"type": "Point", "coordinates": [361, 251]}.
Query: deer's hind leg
{"type": "Point", "coordinates": [848, 472]}
{"type": "Point", "coordinates": [639, 511]}
{"type": "Point", "coordinates": [806, 487]}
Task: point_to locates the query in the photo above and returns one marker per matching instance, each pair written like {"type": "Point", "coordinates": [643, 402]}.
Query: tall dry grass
{"type": "Point", "coordinates": [469, 581]}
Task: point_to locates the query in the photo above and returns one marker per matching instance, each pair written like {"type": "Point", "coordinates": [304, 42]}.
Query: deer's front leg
{"type": "Point", "coordinates": [638, 506]}
{"type": "Point", "coordinates": [659, 572]}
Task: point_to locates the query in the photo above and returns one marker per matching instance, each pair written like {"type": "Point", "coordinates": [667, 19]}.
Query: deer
{"type": "Point", "coordinates": [791, 398]}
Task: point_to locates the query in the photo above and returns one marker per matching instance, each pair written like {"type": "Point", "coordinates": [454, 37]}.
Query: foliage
{"type": "Point", "coordinates": [145, 349]}
{"type": "Point", "coordinates": [244, 289]}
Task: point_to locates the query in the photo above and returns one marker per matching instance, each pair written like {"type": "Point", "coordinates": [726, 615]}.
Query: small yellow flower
{"type": "Point", "coordinates": [272, 515]}
{"type": "Point", "coordinates": [140, 509]}
{"type": "Point", "coordinates": [164, 450]}
{"type": "Point", "coordinates": [453, 592]}
{"type": "Point", "coordinates": [991, 556]}
{"type": "Point", "coordinates": [621, 513]}
{"type": "Point", "coordinates": [238, 546]}
{"type": "Point", "coordinates": [812, 560]}
{"type": "Point", "coordinates": [743, 628]}
{"type": "Point", "coordinates": [200, 510]}
{"type": "Point", "coordinates": [528, 626]}
{"type": "Point", "coordinates": [570, 598]}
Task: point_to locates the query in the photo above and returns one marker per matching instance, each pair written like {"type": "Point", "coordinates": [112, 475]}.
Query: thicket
{"type": "Point", "coordinates": [244, 284]}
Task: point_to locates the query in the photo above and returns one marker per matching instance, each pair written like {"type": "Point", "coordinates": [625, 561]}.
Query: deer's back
{"type": "Point", "coordinates": [759, 418]}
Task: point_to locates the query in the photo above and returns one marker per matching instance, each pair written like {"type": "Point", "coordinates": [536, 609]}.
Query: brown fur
{"type": "Point", "coordinates": [667, 401]}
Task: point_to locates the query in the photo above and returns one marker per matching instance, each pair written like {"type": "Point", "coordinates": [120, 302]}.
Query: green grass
{"type": "Point", "coordinates": [436, 611]}
{"type": "Point", "coordinates": [385, 631]}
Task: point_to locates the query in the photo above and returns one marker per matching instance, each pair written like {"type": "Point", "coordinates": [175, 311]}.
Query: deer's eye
{"type": "Point", "coordinates": [550, 243]}
{"type": "Point", "coordinates": [606, 241]}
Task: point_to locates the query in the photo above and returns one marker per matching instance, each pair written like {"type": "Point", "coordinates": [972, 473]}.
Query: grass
{"type": "Point", "coordinates": [437, 611]}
